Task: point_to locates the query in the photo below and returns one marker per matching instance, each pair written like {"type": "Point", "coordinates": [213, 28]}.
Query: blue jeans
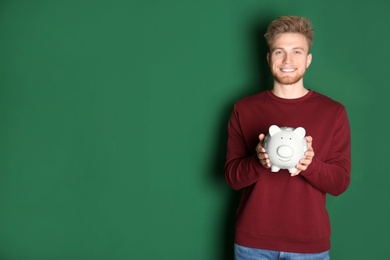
{"type": "Point", "coordinates": [246, 253]}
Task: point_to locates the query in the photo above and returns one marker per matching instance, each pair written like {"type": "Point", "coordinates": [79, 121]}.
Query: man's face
{"type": "Point", "coordinates": [289, 58]}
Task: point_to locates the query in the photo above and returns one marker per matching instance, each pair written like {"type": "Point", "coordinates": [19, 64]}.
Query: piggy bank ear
{"type": "Point", "coordinates": [273, 129]}
{"type": "Point", "coordinates": [300, 131]}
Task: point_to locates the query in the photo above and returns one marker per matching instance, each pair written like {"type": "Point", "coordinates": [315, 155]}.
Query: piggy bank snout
{"type": "Point", "coordinates": [285, 151]}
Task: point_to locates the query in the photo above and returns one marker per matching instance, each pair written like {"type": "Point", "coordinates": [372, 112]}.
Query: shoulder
{"type": "Point", "coordinates": [327, 106]}
{"type": "Point", "coordinates": [253, 100]}
{"type": "Point", "coordinates": [327, 101]}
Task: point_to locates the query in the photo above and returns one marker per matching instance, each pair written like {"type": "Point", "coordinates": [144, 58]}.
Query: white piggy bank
{"type": "Point", "coordinates": [285, 146]}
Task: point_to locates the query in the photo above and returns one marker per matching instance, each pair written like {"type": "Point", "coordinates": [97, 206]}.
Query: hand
{"type": "Point", "coordinates": [309, 154]}
{"type": "Point", "coordinates": [261, 153]}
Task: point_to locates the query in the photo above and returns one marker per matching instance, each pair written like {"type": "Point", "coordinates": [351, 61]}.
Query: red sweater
{"type": "Point", "coordinates": [277, 211]}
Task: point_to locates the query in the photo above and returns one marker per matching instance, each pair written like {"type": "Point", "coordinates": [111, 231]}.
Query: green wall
{"type": "Point", "coordinates": [113, 123]}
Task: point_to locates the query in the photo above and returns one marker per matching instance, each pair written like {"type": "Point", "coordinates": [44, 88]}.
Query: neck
{"type": "Point", "coordinates": [296, 90]}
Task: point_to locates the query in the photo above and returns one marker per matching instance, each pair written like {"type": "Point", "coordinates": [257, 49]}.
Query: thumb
{"type": "Point", "coordinates": [261, 137]}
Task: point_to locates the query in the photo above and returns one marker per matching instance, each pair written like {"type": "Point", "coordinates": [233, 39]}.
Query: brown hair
{"type": "Point", "coordinates": [290, 24]}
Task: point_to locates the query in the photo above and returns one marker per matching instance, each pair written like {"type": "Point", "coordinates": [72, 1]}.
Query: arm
{"type": "Point", "coordinates": [242, 167]}
{"type": "Point", "coordinates": [333, 174]}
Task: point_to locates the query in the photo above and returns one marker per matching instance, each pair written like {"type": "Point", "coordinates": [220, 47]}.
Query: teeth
{"type": "Point", "coordinates": [287, 70]}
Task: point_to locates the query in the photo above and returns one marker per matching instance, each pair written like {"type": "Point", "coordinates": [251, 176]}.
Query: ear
{"type": "Point", "coordinates": [300, 131]}
{"type": "Point", "coordinates": [268, 57]}
{"type": "Point", "coordinates": [308, 60]}
{"type": "Point", "coordinates": [273, 129]}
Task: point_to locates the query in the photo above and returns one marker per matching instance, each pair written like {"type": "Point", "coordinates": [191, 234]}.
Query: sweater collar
{"type": "Point", "coordinates": [292, 100]}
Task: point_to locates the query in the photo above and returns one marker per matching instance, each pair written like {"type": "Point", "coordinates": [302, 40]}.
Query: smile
{"type": "Point", "coordinates": [285, 160]}
{"type": "Point", "coordinates": [288, 70]}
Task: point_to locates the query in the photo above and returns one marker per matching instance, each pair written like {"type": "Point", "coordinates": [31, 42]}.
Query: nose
{"type": "Point", "coordinates": [287, 58]}
{"type": "Point", "coordinates": [285, 151]}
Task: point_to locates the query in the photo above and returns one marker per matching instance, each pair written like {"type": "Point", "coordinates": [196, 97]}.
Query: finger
{"type": "Point", "coordinates": [266, 163]}
{"type": "Point", "coordinates": [309, 141]}
{"type": "Point", "coordinates": [260, 149]}
{"type": "Point", "coordinates": [309, 154]}
{"type": "Point", "coordinates": [301, 167]}
{"type": "Point", "coordinates": [295, 173]}
{"type": "Point", "coordinates": [305, 161]}
{"type": "Point", "coordinates": [261, 137]}
{"type": "Point", "coordinates": [262, 155]}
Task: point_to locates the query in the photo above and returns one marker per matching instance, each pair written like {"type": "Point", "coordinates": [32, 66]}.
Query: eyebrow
{"type": "Point", "coordinates": [295, 48]}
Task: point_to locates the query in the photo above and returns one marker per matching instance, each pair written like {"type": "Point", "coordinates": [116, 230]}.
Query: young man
{"type": "Point", "coordinates": [282, 214]}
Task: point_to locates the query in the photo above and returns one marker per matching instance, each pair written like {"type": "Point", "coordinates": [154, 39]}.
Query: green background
{"type": "Point", "coordinates": [113, 122]}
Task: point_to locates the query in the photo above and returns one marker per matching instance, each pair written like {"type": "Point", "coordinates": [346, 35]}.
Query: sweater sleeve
{"type": "Point", "coordinates": [333, 175]}
{"type": "Point", "coordinates": [242, 166]}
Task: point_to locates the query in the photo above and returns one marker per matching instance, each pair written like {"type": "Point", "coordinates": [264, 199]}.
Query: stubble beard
{"type": "Point", "coordinates": [287, 80]}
